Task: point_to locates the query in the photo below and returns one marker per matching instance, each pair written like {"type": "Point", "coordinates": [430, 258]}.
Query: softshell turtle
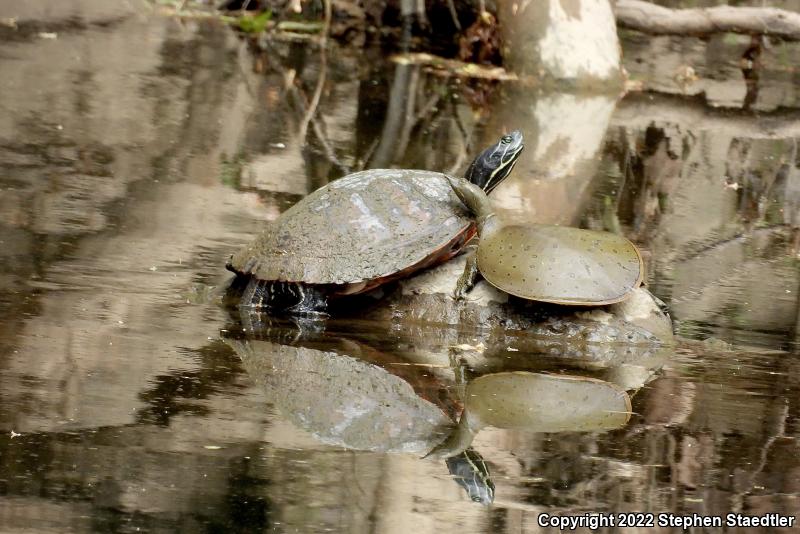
{"type": "Point", "coordinates": [547, 263]}
{"type": "Point", "coordinates": [364, 230]}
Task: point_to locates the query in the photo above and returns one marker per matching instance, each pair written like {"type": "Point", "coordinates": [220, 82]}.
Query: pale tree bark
{"type": "Point", "coordinates": [573, 40]}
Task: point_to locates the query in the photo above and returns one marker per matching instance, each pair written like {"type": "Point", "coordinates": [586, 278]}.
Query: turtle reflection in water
{"type": "Point", "coordinates": [472, 474]}
{"type": "Point", "coordinates": [362, 231]}
{"type": "Point", "coordinates": [537, 402]}
{"type": "Point", "coordinates": [555, 264]}
{"type": "Point", "coordinates": [341, 398]}
{"type": "Point", "coordinates": [344, 401]}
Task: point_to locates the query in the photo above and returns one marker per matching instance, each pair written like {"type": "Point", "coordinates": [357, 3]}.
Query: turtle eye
{"type": "Point", "coordinates": [506, 139]}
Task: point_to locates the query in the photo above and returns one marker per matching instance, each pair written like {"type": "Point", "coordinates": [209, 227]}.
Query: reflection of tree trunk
{"type": "Point", "coordinates": [399, 117]}
{"type": "Point", "coordinates": [411, 11]}
{"type": "Point", "coordinates": [751, 67]}
{"type": "Point", "coordinates": [652, 163]}
{"type": "Point", "coordinates": [563, 133]}
{"type": "Point", "coordinates": [797, 317]}
{"type": "Point", "coordinates": [758, 167]}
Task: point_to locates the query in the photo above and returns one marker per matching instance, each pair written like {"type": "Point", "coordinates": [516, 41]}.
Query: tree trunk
{"type": "Point", "coordinates": [573, 40]}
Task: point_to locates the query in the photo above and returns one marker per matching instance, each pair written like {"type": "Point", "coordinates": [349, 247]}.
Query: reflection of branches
{"type": "Point", "coordinates": [408, 117]}
{"type": "Point", "coordinates": [778, 231]}
{"type": "Point", "coordinates": [316, 122]}
{"type": "Point", "coordinates": [466, 140]}
{"type": "Point", "coordinates": [312, 107]}
{"type": "Point", "coordinates": [323, 70]}
{"type": "Point", "coordinates": [319, 131]}
{"type": "Point", "coordinates": [406, 114]}
{"type": "Point", "coordinates": [308, 107]}
{"type": "Point", "coordinates": [453, 14]}
{"type": "Point", "coordinates": [766, 448]}
{"type": "Point", "coordinates": [368, 153]}
{"type": "Point", "coordinates": [640, 110]}
{"type": "Point", "coordinates": [318, 127]}
{"type": "Point", "coordinates": [427, 108]}
{"type": "Point", "coordinates": [399, 116]}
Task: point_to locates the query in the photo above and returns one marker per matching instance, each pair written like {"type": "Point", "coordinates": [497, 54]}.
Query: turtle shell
{"type": "Point", "coordinates": [561, 265]}
{"type": "Point", "coordinates": [370, 226]}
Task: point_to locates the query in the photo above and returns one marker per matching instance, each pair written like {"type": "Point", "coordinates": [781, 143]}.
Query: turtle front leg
{"type": "Point", "coordinates": [469, 277]}
{"type": "Point", "coordinates": [310, 301]}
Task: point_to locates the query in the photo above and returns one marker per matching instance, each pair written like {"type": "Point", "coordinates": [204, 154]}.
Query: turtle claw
{"type": "Point", "coordinates": [460, 293]}
{"type": "Point", "coordinates": [311, 303]}
{"type": "Point", "coordinates": [468, 278]}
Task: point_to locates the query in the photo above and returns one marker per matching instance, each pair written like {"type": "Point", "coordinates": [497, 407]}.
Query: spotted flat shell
{"type": "Point", "coordinates": [560, 264]}
{"type": "Point", "coordinates": [545, 403]}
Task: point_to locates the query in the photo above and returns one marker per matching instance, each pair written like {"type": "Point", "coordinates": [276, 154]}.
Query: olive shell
{"type": "Point", "coordinates": [362, 227]}
{"type": "Point", "coordinates": [560, 264]}
{"type": "Point", "coordinates": [545, 403]}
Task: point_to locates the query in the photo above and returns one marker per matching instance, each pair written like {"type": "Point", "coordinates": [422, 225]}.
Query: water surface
{"type": "Point", "coordinates": [137, 152]}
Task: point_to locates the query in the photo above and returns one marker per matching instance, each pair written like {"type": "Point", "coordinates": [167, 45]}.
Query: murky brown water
{"type": "Point", "coordinates": [136, 152]}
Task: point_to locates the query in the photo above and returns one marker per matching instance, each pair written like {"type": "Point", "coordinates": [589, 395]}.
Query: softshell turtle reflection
{"type": "Point", "coordinates": [337, 390]}
{"type": "Point", "coordinates": [538, 402]}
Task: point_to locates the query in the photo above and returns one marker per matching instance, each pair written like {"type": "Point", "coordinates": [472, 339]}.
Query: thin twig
{"type": "Point", "coordinates": [319, 129]}
{"type": "Point", "coordinates": [427, 108]}
{"type": "Point", "coordinates": [466, 140]}
{"type": "Point", "coordinates": [312, 107]}
{"type": "Point", "coordinates": [368, 154]}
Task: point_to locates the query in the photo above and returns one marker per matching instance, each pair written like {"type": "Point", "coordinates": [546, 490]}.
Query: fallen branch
{"type": "Point", "coordinates": [653, 19]}
{"type": "Point", "coordinates": [452, 67]}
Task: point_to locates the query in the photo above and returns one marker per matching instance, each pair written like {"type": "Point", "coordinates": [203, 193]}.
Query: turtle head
{"type": "Point", "coordinates": [495, 163]}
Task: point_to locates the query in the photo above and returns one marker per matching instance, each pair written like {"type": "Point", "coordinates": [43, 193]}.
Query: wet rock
{"type": "Point", "coordinates": [427, 299]}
